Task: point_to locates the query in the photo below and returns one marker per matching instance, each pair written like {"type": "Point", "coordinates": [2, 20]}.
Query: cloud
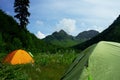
{"type": "Point", "coordinates": [40, 35]}
{"type": "Point", "coordinates": [89, 14]}
{"type": "Point", "coordinates": [69, 25]}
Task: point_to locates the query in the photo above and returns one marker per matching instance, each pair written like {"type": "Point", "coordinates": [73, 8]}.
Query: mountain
{"type": "Point", "coordinates": [13, 37]}
{"type": "Point", "coordinates": [61, 35]}
{"type": "Point", "coordinates": [86, 35]}
{"type": "Point", "coordinates": [112, 33]}
{"type": "Point", "coordinates": [63, 39]}
{"type": "Point", "coordinates": [60, 38]}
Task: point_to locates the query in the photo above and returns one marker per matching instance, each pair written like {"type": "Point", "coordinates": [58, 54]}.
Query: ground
{"type": "Point", "coordinates": [46, 67]}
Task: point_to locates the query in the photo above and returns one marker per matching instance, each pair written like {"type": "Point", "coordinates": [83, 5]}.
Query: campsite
{"type": "Point", "coordinates": [59, 40]}
{"type": "Point", "coordinates": [46, 67]}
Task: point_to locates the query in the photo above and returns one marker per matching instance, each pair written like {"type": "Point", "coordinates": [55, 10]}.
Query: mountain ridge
{"type": "Point", "coordinates": [63, 38]}
{"type": "Point", "coordinates": [87, 34]}
{"type": "Point", "coordinates": [112, 33]}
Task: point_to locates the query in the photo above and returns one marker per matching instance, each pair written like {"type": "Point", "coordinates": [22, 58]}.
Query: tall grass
{"type": "Point", "coordinates": [59, 58]}
{"type": "Point", "coordinates": [46, 67]}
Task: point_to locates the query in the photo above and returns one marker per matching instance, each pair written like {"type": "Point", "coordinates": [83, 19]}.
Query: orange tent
{"type": "Point", "coordinates": [18, 57]}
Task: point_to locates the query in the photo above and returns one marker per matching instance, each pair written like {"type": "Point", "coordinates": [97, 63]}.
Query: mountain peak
{"type": "Point", "coordinates": [87, 34]}
{"type": "Point", "coordinates": [63, 39]}
{"type": "Point", "coordinates": [62, 31]}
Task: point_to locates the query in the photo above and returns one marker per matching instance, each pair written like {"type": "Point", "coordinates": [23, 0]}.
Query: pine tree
{"type": "Point", "coordinates": [21, 10]}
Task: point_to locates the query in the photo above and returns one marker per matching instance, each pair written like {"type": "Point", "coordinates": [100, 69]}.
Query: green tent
{"type": "Point", "coordinates": [98, 62]}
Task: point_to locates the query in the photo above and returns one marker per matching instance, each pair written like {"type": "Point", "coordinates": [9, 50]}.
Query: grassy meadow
{"type": "Point", "coordinates": [46, 67]}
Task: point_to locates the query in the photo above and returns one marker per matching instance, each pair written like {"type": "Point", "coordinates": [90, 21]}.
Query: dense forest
{"type": "Point", "coordinates": [13, 37]}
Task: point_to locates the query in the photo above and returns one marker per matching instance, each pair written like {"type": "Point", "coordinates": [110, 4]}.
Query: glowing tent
{"type": "Point", "coordinates": [18, 57]}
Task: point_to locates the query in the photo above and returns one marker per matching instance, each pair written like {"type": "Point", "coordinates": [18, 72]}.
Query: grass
{"type": "Point", "coordinates": [46, 67]}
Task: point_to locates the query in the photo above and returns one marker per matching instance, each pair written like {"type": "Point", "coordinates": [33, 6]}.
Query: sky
{"type": "Point", "coordinates": [73, 16]}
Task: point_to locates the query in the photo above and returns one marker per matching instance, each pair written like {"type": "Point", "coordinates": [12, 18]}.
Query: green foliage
{"type": "Point", "coordinates": [65, 43]}
{"type": "Point", "coordinates": [59, 57]}
{"type": "Point", "coordinates": [13, 37]}
{"type": "Point", "coordinates": [9, 72]}
{"type": "Point", "coordinates": [17, 43]}
{"type": "Point", "coordinates": [1, 41]}
{"type": "Point", "coordinates": [46, 67]}
{"type": "Point", "coordinates": [50, 66]}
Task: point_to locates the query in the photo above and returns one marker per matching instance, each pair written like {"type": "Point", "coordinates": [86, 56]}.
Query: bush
{"type": "Point", "coordinates": [10, 72]}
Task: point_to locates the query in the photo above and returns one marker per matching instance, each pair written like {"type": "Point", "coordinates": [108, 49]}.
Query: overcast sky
{"type": "Point", "coordinates": [73, 16]}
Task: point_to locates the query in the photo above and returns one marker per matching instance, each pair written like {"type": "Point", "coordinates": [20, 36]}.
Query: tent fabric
{"type": "Point", "coordinates": [31, 54]}
{"type": "Point", "coordinates": [97, 62]}
{"type": "Point", "coordinates": [18, 57]}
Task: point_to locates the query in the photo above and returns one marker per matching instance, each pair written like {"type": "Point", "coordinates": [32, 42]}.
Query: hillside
{"type": "Point", "coordinates": [86, 35]}
{"type": "Point", "coordinates": [63, 39]}
{"type": "Point", "coordinates": [112, 33]}
{"type": "Point", "coordinates": [13, 37]}
{"type": "Point", "coordinates": [60, 38]}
